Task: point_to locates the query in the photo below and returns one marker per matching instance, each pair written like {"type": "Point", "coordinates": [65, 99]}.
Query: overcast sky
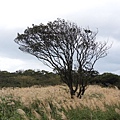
{"type": "Point", "coordinates": [17, 15]}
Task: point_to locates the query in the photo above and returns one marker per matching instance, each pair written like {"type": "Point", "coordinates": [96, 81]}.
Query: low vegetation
{"type": "Point", "coordinates": [54, 103]}
{"type": "Point", "coordinates": [106, 80]}
{"type": "Point", "coordinates": [40, 95]}
{"type": "Point", "coordinates": [30, 78]}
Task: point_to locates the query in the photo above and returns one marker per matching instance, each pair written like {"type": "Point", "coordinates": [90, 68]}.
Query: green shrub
{"type": "Point", "coordinates": [28, 78]}
{"type": "Point", "coordinates": [106, 80]}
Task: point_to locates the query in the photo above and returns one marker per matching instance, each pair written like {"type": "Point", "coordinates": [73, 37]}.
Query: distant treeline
{"type": "Point", "coordinates": [30, 78]}
{"type": "Point", "coordinates": [106, 80]}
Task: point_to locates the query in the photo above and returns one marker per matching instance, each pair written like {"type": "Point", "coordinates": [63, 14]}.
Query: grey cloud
{"type": "Point", "coordinates": [8, 48]}
{"type": "Point", "coordinates": [105, 17]}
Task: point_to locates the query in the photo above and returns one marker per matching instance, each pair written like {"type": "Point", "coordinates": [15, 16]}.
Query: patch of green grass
{"type": "Point", "coordinates": [38, 106]}
{"type": "Point", "coordinates": [88, 114]}
{"type": "Point", "coordinates": [44, 112]}
{"type": "Point", "coordinates": [9, 107]}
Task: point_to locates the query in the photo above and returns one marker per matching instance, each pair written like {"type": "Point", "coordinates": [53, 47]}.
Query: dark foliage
{"type": "Point", "coordinates": [28, 78]}
{"type": "Point", "coordinates": [106, 80]}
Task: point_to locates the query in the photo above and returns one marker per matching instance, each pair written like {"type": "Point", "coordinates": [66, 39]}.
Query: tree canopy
{"type": "Point", "coordinates": [70, 50]}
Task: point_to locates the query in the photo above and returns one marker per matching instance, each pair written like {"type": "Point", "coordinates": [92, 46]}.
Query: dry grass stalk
{"type": "Point", "coordinates": [63, 117]}
{"type": "Point", "coordinates": [117, 110]}
{"type": "Point", "coordinates": [36, 115]}
{"type": "Point", "coordinates": [22, 113]}
{"type": "Point", "coordinates": [95, 96]}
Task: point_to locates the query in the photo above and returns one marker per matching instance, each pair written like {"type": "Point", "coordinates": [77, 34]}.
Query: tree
{"type": "Point", "coordinates": [66, 48]}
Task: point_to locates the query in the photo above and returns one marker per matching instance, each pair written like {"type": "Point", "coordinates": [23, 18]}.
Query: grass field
{"type": "Point", "coordinates": [54, 103]}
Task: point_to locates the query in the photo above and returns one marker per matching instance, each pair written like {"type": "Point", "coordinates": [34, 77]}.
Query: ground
{"type": "Point", "coordinates": [95, 96]}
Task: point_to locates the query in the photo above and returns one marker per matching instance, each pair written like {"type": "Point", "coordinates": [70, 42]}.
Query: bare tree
{"type": "Point", "coordinates": [61, 45]}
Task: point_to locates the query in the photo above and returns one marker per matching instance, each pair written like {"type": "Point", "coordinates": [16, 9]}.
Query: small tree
{"type": "Point", "coordinates": [66, 48]}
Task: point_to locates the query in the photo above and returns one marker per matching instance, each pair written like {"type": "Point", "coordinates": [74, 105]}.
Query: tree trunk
{"type": "Point", "coordinates": [76, 87]}
{"type": "Point", "coordinates": [72, 92]}
{"type": "Point", "coordinates": [81, 91]}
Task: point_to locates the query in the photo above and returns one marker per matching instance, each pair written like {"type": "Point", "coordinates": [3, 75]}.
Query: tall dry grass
{"type": "Point", "coordinates": [95, 96]}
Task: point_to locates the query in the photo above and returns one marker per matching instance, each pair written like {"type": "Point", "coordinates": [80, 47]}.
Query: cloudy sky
{"type": "Point", "coordinates": [17, 15]}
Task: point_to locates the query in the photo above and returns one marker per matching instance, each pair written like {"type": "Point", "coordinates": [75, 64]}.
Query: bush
{"type": "Point", "coordinates": [28, 78]}
{"type": "Point", "coordinates": [106, 80]}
